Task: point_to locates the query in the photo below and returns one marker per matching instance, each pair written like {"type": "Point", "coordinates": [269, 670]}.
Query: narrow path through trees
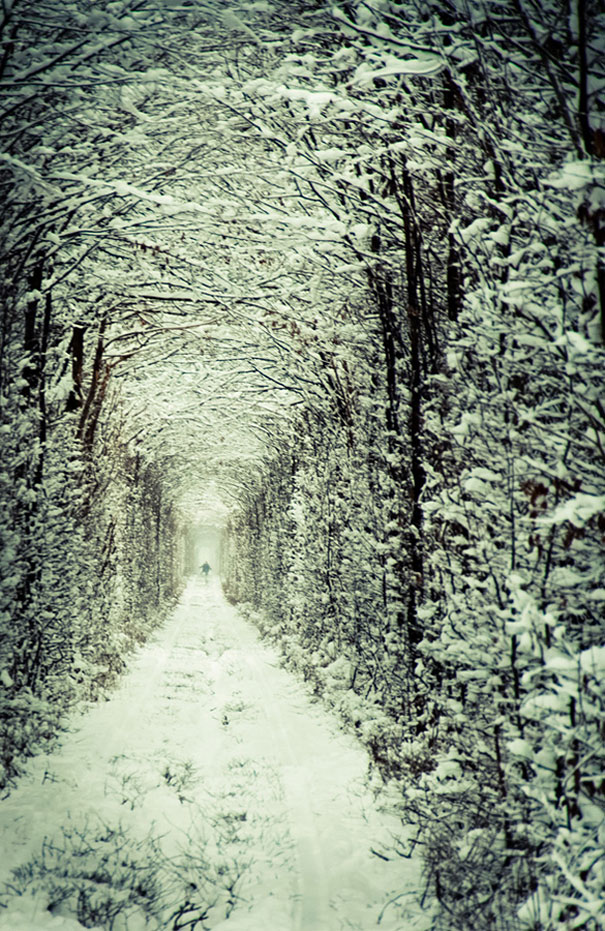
{"type": "Point", "coordinates": [214, 763]}
{"type": "Point", "coordinates": [328, 278]}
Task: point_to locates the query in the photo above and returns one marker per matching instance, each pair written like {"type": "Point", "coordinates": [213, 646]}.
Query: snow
{"type": "Point", "coordinates": [429, 65]}
{"type": "Point", "coordinates": [520, 747]}
{"type": "Point", "coordinates": [575, 175]}
{"type": "Point", "coordinates": [578, 510]}
{"type": "Point", "coordinates": [220, 755]}
{"type": "Point", "coordinates": [592, 661]}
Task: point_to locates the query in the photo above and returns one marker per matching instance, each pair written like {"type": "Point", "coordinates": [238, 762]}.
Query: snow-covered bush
{"type": "Point", "coordinates": [107, 878]}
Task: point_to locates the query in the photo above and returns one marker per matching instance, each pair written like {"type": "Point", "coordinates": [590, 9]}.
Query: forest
{"type": "Point", "coordinates": [329, 277]}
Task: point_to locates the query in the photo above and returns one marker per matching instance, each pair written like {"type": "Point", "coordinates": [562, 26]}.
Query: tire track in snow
{"type": "Point", "coordinates": [313, 901]}
{"type": "Point", "coordinates": [335, 883]}
{"type": "Point", "coordinates": [146, 671]}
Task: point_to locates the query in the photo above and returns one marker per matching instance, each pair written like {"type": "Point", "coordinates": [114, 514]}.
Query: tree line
{"type": "Point", "coordinates": [429, 550]}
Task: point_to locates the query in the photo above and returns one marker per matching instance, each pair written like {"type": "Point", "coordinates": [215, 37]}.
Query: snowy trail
{"type": "Point", "coordinates": [218, 749]}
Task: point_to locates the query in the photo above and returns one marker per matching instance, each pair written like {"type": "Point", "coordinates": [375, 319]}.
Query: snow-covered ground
{"type": "Point", "coordinates": [213, 780]}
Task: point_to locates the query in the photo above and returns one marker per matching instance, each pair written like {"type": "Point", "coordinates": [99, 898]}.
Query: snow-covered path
{"type": "Point", "coordinates": [217, 753]}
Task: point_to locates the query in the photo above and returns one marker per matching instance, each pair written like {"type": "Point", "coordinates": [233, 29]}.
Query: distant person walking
{"type": "Point", "coordinates": [205, 570]}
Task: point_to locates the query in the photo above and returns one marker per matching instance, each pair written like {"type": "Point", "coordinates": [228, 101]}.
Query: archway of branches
{"type": "Point", "coordinates": [329, 280]}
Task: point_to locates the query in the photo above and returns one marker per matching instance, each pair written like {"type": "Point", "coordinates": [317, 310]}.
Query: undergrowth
{"type": "Point", "coordinates": [106, 878]}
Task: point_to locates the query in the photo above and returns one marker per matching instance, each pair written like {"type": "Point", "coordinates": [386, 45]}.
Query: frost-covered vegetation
{"type": "Point", "coordinates": [91, 551]}
{"type": "Point", "coordinates": [430, 552]}
{"type": "Point", "coordinates": [343, 270]}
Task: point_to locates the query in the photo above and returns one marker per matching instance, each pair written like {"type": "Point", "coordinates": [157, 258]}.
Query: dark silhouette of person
{"type": "Point", "coordinates": [205, 570]}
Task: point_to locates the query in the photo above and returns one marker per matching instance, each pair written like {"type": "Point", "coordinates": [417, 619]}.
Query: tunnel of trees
{"type": "Point", "coordinates": [331, 279]}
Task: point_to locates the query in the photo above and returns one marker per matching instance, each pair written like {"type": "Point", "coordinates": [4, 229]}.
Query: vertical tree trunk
{"type": "Point", "coordinates": [43, 427]}
{"type": "Point", "coordinates": [96, 392]}
{"type": "Point", "coordinates": [583, 115]}
{"type": "Point", "coordinates": [74, 401]}
{"type": "Point", "coordinates": [413, 270]}
{"type": "Point", "coordinates": [30, 340]}
{"type": "Point", "coordinates": [453, 254]}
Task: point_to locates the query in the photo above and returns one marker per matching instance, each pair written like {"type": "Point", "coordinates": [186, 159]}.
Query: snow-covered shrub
{"type": "Point", "coordinates": [107, 878]}
{"type": "Point", "coordinates": [561, 757]}
{"type": "Point", "coordinates": [27, 723]}
{"type": "Point", "coordinates": [95, 873]}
